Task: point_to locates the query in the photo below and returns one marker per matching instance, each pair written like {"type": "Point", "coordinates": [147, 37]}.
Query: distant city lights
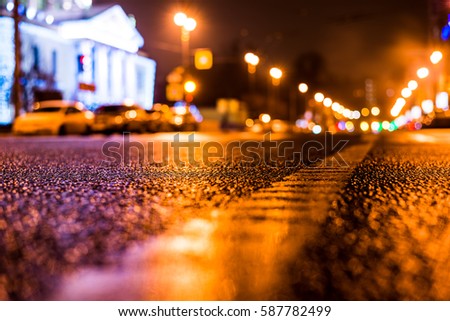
{"type": "Point", "coordinates": [442, 100]}
{"type": "Point", "coordinates": [423, 72]}
{"type": "Point", "coordinates": [319, 97]}
{"type": "Point", "coordinates": [303, 88]}
{"type": "Point", "coordinates": [31, 13]}
{"type": "Point", "coordinates": [190, 86]}
{"type": "Point", "coordinates": [265, 118]}
{"type": "Point", "coordinates": [398, 106]}
{"type": "Point", "coordinates": [406, 92]}
{"type": "Point", "coordinates": [317, 129]}
{"type": "Point", "coordinates": [436, 57]}
{"type": "Point", "coordinates": [251, 59]}
{"type": "Point", "coordinates": [365, 112]}
{"type": "Point", "coordinates": [385, 125]}
{"type": "Point", "coordinates": [416, 112]}
{"type": "Point", "coordinates": [375, 111]}
{"type": "Point", "coordinates": [276, 73]}
{"type": "Point", "coordinates": [375, 126]}
{"type": "Point", "coordinates": [364, 126]}
{"type": "Point", "coordinates": [49, 19]}
{"type": "Point", "coordinates": [10, 6]}
{"type": "Point", "coordinates": [327, 102]}
{"type": "Point", "coordinates": [427, 106]}
{"type": "Point", "coordinates": [412, 84]}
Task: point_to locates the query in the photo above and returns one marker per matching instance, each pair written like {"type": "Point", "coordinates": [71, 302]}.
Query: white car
{"type": "Point", "coordinates": [55, 117]}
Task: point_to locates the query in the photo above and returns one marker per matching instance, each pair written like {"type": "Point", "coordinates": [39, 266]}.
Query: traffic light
{"type": "Point", "coordinates": [203, 59]}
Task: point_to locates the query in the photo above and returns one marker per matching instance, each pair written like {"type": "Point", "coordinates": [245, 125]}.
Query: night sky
{"type": "Point", "coordinates": [382, 39]}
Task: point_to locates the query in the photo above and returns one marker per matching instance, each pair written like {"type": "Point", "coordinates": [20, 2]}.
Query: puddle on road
{"type": "Point", "coordinates": [207, 259]}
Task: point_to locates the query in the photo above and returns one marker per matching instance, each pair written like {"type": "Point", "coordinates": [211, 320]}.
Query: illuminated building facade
{"type": "Point", "coordinates": [85, 52]}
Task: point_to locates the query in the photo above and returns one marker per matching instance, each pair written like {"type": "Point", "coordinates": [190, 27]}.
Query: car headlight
{"type": "Point", "coordinates": [178, 120]}
{"type": "Point", "coordinates": [131, 114]}
{"type": "Point", "coordinates": [118, 120]}
{"type": "Point", "coordinates": [89, 115]}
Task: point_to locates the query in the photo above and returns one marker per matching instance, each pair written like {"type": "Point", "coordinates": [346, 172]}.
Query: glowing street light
{"type": "Point", "coordinates": [180, 19]}
{"type": "Point", "coordinates": [398, 106]}
{"type": "Point", "coordinates": [335, 106]}
{"type": "Point", "coordinates": [365, 112]}
{"type": "Point", "coordinates": [364, 126]}
{"type": "Point", "coordinates": [190, 86]}
{"type": "Point", "coordinates": [427, 106]}
{"type": "Point", "coordinates": [276, 75]}
{"type": "Point", "coordinates": [187, 25]}
{"type": "Point", "coordinates": [375, 111]}
{"type": "Point", "coordinates": [265, 118]}
{"type": "Point", "coordinates": [319, 97]}
{"type": "Point", "coordinates": [252, 61]}
{"type": "Point", "coordinates": [412, 84]}
{"type": "Point", "coordinates": [406, 92]}
{"type": "Point", "coordinates": [303, 88]}
{"type": "Point", "coordinates": [436, 57]}
{"type": "Point", "coordinates": [190, 24]}
{"type": "Point", "coordinates": [423, 72]}
{"type": "Point", "coordinates": [327, 102]}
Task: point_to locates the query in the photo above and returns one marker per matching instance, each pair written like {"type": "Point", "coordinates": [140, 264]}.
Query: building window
{"type": "Point", "coordinates": [35, 51]}
{"type": "Point", "coordinates": [54, 63]}
{"type": "Point", "coordinates": [140, 79]}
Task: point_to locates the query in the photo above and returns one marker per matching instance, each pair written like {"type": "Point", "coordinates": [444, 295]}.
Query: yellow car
{"type": "Point", "coordinates": [55, 117]}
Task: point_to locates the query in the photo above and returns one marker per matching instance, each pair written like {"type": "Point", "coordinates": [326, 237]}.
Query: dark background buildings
{"type": "Point", "coordinates": [335, 46]}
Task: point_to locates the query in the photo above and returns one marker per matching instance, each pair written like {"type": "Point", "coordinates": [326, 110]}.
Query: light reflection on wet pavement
{"type": "Point", "coordinates": [246, 252]}
{"type": "Point", "coordinates": [378, 230]}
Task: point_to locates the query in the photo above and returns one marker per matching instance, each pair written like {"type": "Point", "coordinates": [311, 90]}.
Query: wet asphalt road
{"type": "Point", "coordinates": [62, 207]}
{"type": "Point", "coordinates": [69, 224]}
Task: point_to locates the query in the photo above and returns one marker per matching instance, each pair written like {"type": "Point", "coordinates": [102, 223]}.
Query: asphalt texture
{"type": "Point", "coordinates": [387, 237]}
{"type": "Point", "coordinates": [62, 208]}
{"type": "Point", "coordinates": [376, 229]}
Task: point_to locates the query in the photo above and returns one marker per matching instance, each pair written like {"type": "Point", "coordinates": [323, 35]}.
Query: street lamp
{"type": "Point", "coordinates": [327, 102]}
{"type": "Point", "coordinates": [187, 24]}
{"type": "Point", "coordinates": [406, 92]}
{"type": "Point", "coordinates": [436, 57]}
{"type": "Point", "coordinates": [303, 88]}
{"type": "Point", "coordinates": [423, 72]}
{"type": "Point", "coordinates": [190, 86]}
{"type": "Point", "coordinates": [276, 75]}
{"type": "Point", "coordinates": [252, 61]}
{"type": "Point", "coordinates": [319, 97]}
{"type": "Point", "coordinates": [412, 84]}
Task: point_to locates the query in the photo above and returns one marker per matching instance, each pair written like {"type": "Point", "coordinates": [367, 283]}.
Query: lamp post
{"type": "Point", "coordinates": [186, 25]}
{"type": "Point", "coordinates": [303, 89]}
{"type": "Point", "coordinates": [276, 74]}
{"type": "Point", "coordinates": [252, 61]}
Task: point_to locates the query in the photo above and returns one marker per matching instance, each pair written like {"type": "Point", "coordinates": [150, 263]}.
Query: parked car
{"type": "Point", "coordinates": [157, 121]}
{"type": "Point", "coordinates": [120, 118]}
{"type": "Point", "coordinates": [55, 117]}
